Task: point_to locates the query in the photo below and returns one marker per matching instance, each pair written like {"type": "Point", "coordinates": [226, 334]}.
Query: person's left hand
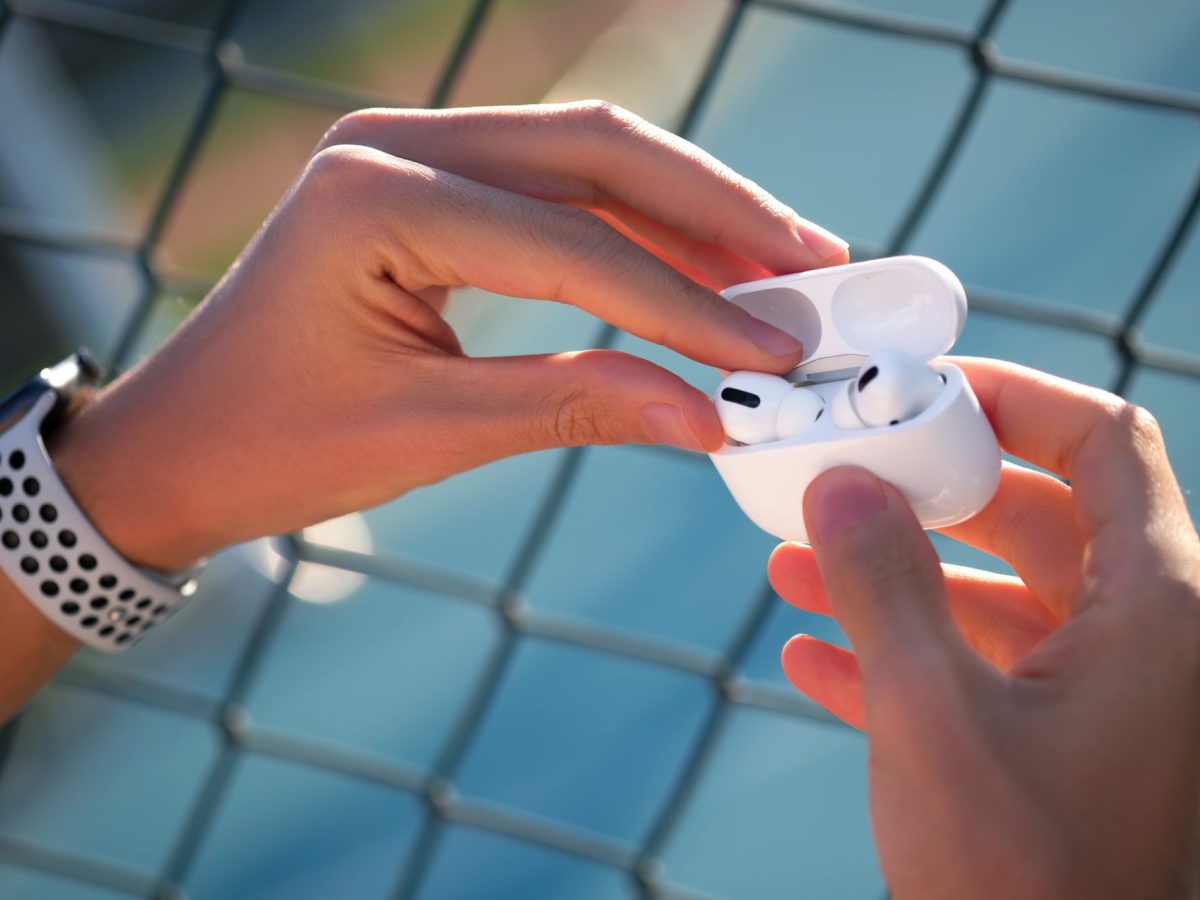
{"type": "Point", "coordinates": [319, 377]}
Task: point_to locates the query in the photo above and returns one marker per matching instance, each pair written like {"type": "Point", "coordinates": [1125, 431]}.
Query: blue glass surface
{"type": "Point", "coordinates": [585, 738]}
{"type": "Point", "coordinates": [1175, 401]}
{"type": "Point", "coordinates": [286, 831]}
{"type": "Point", "coordinates": [476, 522]}
{"type": "Point", "coordinates": [951, 12]}
{"type": "Point", "coordinates": [193, 12]}
{"type": "Point", "coordinates": [197, 650]}
{"type": "Point", "coordinates": [29, 884]}
{"type": "Point", "coordinates": [373, 672]}
{"type": "Point", "coordinates": [1072, 354]}
{"type": "Point", "coordinates": [92, 162]}
{"type": "Point", "coordinates": [1062, 197]}
{"type": "Point", "coordinates": [838, 122]}
{"type": "Point", "coordinates": [490, 324]}
{"type": "Point", "coordinates": [254, 146]}
{"type": "Point", "coordinates": [390, 49]}
{"type": "Point", "coordinates": [1173, 318]}
{"type": "Point", "coordinates": [780, 811]}
{"type": "Point", "coordinates": [1058, 197]}
{"type": "Point", "coordinates": [526, 48]}
{"type": "Point", "coordinates": [761, 660]}
{"type": "Point", "coordinates": [652, 544]}
{"type": "Point", "coordinates": [959, 554]}
{"type": "Point", "coordinates": [698, 375]}
{"type": "Point", "coordinates": [91, 299]}
{"type": "Point", "coordinates": [1153, 43]}
{"type": "Point", "coordinates": [472, 863]}
{"type": "Point", "coordinates": [167, 312]}
{"type": "Point", "coordinates": [104, 778]}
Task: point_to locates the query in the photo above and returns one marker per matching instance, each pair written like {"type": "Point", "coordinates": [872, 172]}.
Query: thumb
{"type": "Point", "coordinates": [881, 574]}
{"type": "Point", "coordinates": [522, 403]}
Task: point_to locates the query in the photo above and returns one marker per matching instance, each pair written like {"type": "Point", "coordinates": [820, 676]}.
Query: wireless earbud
{"type": "Point", "coordinates": [756, 408]}
{"type": "Point", "coordinates": [865, 393]}
{"type": "Point", "coordinates": [893, 387]}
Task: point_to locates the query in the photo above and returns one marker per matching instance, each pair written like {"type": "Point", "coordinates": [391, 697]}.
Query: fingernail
{"type": "Point", "coordinates": [842, 499]}
{"type": "Point", "coordinates": [770, 338]}
{"type": "Point", "coordinates": [824, 245]}
{"type": "Point", "coordinates": [665, 424]}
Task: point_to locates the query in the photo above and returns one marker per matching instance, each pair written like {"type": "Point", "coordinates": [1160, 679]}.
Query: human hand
{"type": "Point", "coordinates": [319, 376]}
{"type": "Point", "coordinates": [1032, 737]}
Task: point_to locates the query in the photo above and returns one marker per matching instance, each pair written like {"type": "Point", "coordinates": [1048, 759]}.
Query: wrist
{"type": "Point", "coordinates": [130, 489]}
{"type": "Point", "coordinates": [57, 562]}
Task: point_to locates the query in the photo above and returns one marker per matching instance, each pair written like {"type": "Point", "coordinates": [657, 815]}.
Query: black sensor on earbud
{"type": "Point", "coordinates": [742, 398]}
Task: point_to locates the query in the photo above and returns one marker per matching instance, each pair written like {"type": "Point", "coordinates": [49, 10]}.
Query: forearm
{"type": "Point", "coordinates": [32, 649]}
{"type": "Point", "coordinates": [112, 479]}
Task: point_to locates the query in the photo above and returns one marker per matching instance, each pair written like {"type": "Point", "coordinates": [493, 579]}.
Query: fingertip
{"type": "Point", "coordinates": [797, 659]}
{"type": "Point", "coordinates": [794, 576]}
{"type": "Point", "coordinates": [837, 258]}
{"type": "Point", "coordinates": [775, 342]}
{"type": "Point", "coordinates": [828, 675]}
{"type": "Point", "coordinates": [665, 423]}
{"type": "Point", "coordinates": [761, 347]}
{"type": "Point", "coordinates": [795, 649]}
{"type": "Point", "coordinates": [704, 422]}
{"type": "Point", "coordinates": [826, 248]}
{"type": "Point", "coordinates": [780, 561]}
{"type": "Point", "coordinates": [678, 414]}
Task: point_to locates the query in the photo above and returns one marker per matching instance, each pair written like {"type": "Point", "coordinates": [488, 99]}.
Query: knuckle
{"type": "Point", "coordinates": [1142, 426]}
{"type": "Point", "coordinates": [575, 419]}
{"type": "Point", "coordinates": [352, 171]}
{"type": "Point", "coordinates": [1101, 431]}
{"type": "Point", "coordinates": [337, 167]}
{"type": "Point", "coordinates": [1122, 426]}
{"type": "Point", "coordinates": [355, 128]}
{"type": "Point", "coordinates": [604, 129]}
{"type": "Point", "coordinates": [594, 242]}
{"type": "Point", "coordinates": [603, 117]}
{"type": "Point", "coordinates": [575, 411]}
{"type": "Point", "coordinates": [587, 243]}
{"type": "Point", "coordinates": [353, 189]}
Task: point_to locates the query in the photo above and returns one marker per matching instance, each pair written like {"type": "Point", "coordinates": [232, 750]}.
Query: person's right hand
{"type": "Point", "coordinates": [1031, 737]}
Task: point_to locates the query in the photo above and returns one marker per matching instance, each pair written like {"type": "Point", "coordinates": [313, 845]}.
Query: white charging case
{"type": "Point", "coordinates": [946, 461]}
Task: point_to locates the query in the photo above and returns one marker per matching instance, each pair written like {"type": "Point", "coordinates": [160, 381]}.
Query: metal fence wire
{"type": "Point", "coordinates": [444, 806]}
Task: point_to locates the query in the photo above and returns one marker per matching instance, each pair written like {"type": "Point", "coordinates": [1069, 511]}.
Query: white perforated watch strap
{"type": "Point", "coordinates": [58, 559]}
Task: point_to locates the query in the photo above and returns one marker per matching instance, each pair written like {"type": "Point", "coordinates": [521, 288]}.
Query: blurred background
{"type": "Point", "coordinates": [556, 676]}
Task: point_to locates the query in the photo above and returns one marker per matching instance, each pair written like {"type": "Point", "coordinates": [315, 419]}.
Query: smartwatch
{"type": "Point", "coordinates": [48, 547]}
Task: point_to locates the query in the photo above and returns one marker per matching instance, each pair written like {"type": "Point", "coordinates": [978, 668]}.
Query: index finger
{"type": "Point", "coordinates": [597, 154]}
{"type": "Point", "coordinates": [451, 230]}
{"type": "Point", "coordinates": [1108, 448]}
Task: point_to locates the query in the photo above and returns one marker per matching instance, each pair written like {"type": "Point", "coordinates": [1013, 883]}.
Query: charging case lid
{"type": "Point", "coordinates": [906, 303]}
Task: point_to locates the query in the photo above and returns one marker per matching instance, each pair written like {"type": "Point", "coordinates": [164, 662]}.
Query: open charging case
{"type": "Point", "coordinates": [945, 461]}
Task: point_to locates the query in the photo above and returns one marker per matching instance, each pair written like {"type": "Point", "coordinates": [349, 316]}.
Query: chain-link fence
{"type": "Point", "coordinates": [443, 811]}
